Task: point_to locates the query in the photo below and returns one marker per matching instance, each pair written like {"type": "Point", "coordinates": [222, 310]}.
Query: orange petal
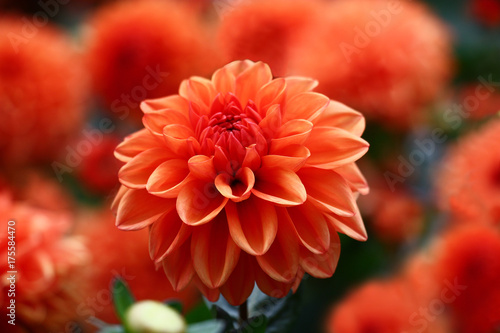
{"type": "Point", "coordinates": [136, 143]}
{"type": "Point", "coordinates": [333, 147]}
{"type": "Point", "coordinates": [172, 102]}
{"type": "Point", "coordinates": [167, 234]}
{"type": "Point", "coordinates": [292, 132]}
{"type": "Point", "coordinates": [253, 224]}
{"type": "Point", "coordinates": [271, 123]}
{"type": "Point", "coordinates": [354, 178]}
{"type": "Point", "coordinates": [251, 80]}
{"type": "Point", "coordinates": [311, 227]}
{"type": "Point", "coordinates": [138, 209]}
{"type": "Point", "coordinates": [239, 66]}
{"type": "Point", "coordinates": [296, 85]}
{"type": "Point", "coordinates": [168, 178]}
{"type": "Point", "coordinates": [241, 282]}
{"type": "Point", "coordinates": [202, 167]}
{"type": "Point", "coordinates": [252, 158]}
{"type": "Point", "coordinates": [270, 94]}
{"type": "Point", "coordinates": [328, 190]}
{"type": "Point", "coordinates": [135, 173]}
{"type": "Point", "coordinates": [155, 122]}
{"type": "Point", "coordinates": [351, 226]}
{"type": "Point", "coordinates": [176, 137]}
{"type": "Point", "coordinates": [322, 265]}
{"type": "Point", "coordinates": [214, 252]}
{"type": "Point", "coordinates": [236, 188]}
{"type": "Point", "coordinates": [198, 90]}
{"type": "Point", "coordinates": [212, 294]}
{"type": "Point", "coordinates": [224, 80]}
{"type": "Point", "coordinates": [199, 202]}
{"type": "Point", "coordinates": [292, 157]}
{"type": "Point", "coordinates": [280, 186]}
{"type": "Point", "coordinates": [308, 106]}
{"type": "Point", "coordinates": [118, 197]}
{"type": "Point", "coordinates": [341, 116]}
{"type": "Point", "coordinates": [178, 267]}
{"type": "Point", "coordinates": [269, 286]}
{"type": "Point", "coordinates": [281, 261]}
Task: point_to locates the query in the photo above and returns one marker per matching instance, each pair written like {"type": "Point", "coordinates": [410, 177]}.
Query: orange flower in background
{"type": "Point", "coordinates": [42, 94]}
{"type": "Point", "coordinates": [468, 182]}
{"type": "Point", "coordinates": [478, 102]}
{"type": "Point", "coordinates": [382, 307]}
{"type": "Point", "coordinates": [468, 261]}
{"type": "Point", "coordinates": [138, 50]}
{"type": "Point", "coordinates": [243, 178]}
{"type": "Point", "coordinates": [131, 262]}
{"type": "Point", "coordinates": [49, 266]}
{"type": "Point", "coordinates": [267, 30]}
{"type": "Point", "coordinates": [388, 59]}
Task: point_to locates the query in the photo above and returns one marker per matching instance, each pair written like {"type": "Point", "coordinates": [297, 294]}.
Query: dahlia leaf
{"type": "Point", "coordinates": [122, 297]}
{"type": "Point", "coordinates": [174, 304]}
{"type": "Point", "coordinates": [208, 326]}
{"type": "Point", "coordinates": [200, 313]}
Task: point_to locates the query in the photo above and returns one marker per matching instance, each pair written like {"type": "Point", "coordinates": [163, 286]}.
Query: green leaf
{"type": "Point", "coordinates": [174, 304]}
{"type": "Point", "coordinates": [122, 298]}
{"type": "Point", "coordinates": [208, 326]}
{"type": "Point", "coordinates": [257, 324]}
{"type": "Point", "coordinates": [200, 313]}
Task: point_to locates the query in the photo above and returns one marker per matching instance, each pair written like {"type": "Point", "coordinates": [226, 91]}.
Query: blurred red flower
{"type": "Point", "coordinates": [468, 182]}
{"type": "Point", "coordinates": [43, 91]}
{"type": "Point", "coordinates": [388, 59]}
{"type": "Point", "coordinates": [486, 11]}
{"type": "Point", "coordinates": [266, 31]}
{"type": "Point", "coordinates": [131, 262]}
{"type": "Point", "coordinates": [221, 165]}
{"type": "Point", "coordinates": [98, 170]}
{"type": "Point", "coordinates": [382, 307]}
{"type": "Point", "coordinates": [143, 49]}
{"type": "Point", "coordinates": [485, 103]}
{"type": "Point", "coordinates": [49, 266]}
{"type": "Point", "coordinates": [469, 260]}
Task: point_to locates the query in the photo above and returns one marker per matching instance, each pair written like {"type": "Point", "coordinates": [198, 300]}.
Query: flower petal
{"type": "Point", "coordinates": [292, 132]}
{"type": "Point", "coordinates": [341, 116]}
{"type": "Point", "coordinates": [199, 202]}
{"type": "Point", "coordinates": [269, 286]}
{"type": "Point", "coordinates": [241, 282]}
{"type": "Point", "coordinates": [271, 123]}
{"type": "Point", "coordinates": [333, 147]}
{"type": "Point", "coordinates": [135, 173]}
{"type": "Point", "coordinates": [198, 90]}
{"type": "Point", "coordinates": [292, 157]}
{"type": "Point", "coordinates": [212, 294]}
{"type": "Point", "coordinates": [202, 167]}
{"type": "Point", "coordinates": [280, 186]}
{"type": "Point", "coordinates": [177, 139]}
{"type": "Point", "coordinates": [138, 209]}
{"type": "Point", "coordinates": [224, 80]}
{"type": "Point", "coordinates": [297, 84]}
{"type": "Point", "coordinates": [351, 226]}
{"type": "Point", "coordinates": [214, 252]}
{"type": "Point", "coordinates": [236, 188]}
{"type": "Point", "coordinates": [311, 227]}
{"type": "Point", "coordinates": [136, 143]}
{"type": "Point", "coordinates": [328, 190]}
{"type": "Point", "coordinates": [251, 80]}
{"type": "Point", "coordinates": [172, 102]}
{"type": "Point", "coordinates": [168, 178]}
{"type": "Point", "coordinates": [354, 178]}
{"type": "Point", "coordinates": [281, 261]}
{"type": "Point", "coordinates": [178, 267]}
{"type": "Point", "coordinates": [253, 224]}
{"type": "Point", "coordinates": [167, 234]}
{"type": "Point", "coordinates": [155, 122]}
{"type": "Point", "coordinates": [322, 265]}
{"type": "Point", "coordinates": [270, 94]}
{"type": "Point", "coordinates": [308, 106]}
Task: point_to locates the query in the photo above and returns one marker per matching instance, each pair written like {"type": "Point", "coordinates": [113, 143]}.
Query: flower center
{"type": "Point", "coordinates": [231, 128]}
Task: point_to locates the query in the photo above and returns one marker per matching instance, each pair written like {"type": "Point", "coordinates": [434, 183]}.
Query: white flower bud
{"type": "Point", "coordinates": [154, 317]}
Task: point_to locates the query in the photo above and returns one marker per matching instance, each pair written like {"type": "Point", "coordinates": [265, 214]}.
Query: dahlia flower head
{"type": "Point", "coordinates": [468, 181]}
{"type": "Point", "coordinates": [241, 179]}
{"type": "Point", "coordinates": [49, 265]}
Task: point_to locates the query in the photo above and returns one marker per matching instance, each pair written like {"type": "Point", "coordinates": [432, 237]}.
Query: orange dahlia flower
{"type": "Point", "coordinates": [138, 50]}
{"type": "Point", "coordinates": [42, 92]}
{"type": "Point", "coordinates": [268, 31]}
{"type": "Point", "coordinates": [49, 266]}
{"type": "Point", "coordinates": [468, 183]}
{"type": "Point", "coordinates": [388, 59]}
{"type": "Point", "coordinates": [241, 179]}
{"type": "Point", "coordinates": [469, 265]}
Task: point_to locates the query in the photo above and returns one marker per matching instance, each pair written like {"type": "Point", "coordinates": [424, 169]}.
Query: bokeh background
{"type": "Point", "coordinates": [426, 75]}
